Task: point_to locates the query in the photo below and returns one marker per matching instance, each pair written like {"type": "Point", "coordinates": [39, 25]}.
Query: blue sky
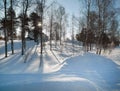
{"type": "Point", "coordinates": [75, 6]}
{"type": "Point", "coordinates": [71, 6]}
{"type": "Point", "coordinates": [117, 3]}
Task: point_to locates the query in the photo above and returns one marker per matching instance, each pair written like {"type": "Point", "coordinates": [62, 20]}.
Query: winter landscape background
{"type": "Point", "coordinates": [59, 45]}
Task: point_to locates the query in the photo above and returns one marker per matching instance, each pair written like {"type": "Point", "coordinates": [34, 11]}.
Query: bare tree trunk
{"type": "Point", "coordinates": [90, 46]}
{"type": "Point", "coordinates": [99, 26]}
{"type": "Point", "coordinates": [41, 4]}
{"type": "Point", "coordinates": [104, 18]}
{"type": "Point", "coordinates": [5, 31]}
{"type": "Point", "coordinates": [12, 45]}
{"type": "Point", "coordinates": [65, 22]}
{"type": "Point", "coordinates": [88, 24]}
{"type": "Point", "coordinates": [25, 8]}
{"type": "Point", "coordinates": [56, 34]}
{"type": "Point", "coordinates": [60, 31]}
{"type": "Point", "coordinates": [51, 24]}
{"type": "Point", "coordinates": [23, 39]}
{"type": "Point", "coordinates": [73, 33]}
{"type": "Point", "coordinates": [41, 37]}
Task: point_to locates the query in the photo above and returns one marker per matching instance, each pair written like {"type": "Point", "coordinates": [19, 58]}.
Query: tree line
{"type": "Point", "coordinates": [98, 25]}
{"type": "Point", "coordinates": [32, 21]}
{"type": "Point", "coordinates": [101, 25]}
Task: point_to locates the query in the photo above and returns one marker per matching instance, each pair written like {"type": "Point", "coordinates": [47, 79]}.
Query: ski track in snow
{"type": "Point", "coordinates": [60, 71]}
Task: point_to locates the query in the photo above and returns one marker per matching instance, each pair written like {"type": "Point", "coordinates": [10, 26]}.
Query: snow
{"type": "Point", "coordinates": [115, 55]}
{"type": "Point", "coordinates": [58, 70]}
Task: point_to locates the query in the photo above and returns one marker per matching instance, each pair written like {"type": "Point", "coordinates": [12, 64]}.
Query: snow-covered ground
{"type": "Point", "coordinates": [58, 70]}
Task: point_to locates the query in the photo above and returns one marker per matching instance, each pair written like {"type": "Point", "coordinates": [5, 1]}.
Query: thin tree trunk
{"type": "Point", "coordinates": [22, 37]}
{"type": "Point", "coordinates": [25, 8]}
{"type": "Point", "coordinates": [5, 31]}
{"type": "Point", "coordinates": [88, 24]}
{"type": "Point", "coordinates": [41, 39]}
{"type": "Point", "coordinates": [99, 26]}
{"type": "Point", "coordinates": [41, 4]}
{"type": "Point", "coordinates": [41, 30]}
{"type": "Point", "coordinates": [51, 21]}
{"type": "Point", "coordinates": [60, 31]}
{"type": "Point", "coordinates": [56, 36]}
{"type": "Point", "coordinates": [12, 45]}
{"type": "Point", "coordinates": [73, 33]}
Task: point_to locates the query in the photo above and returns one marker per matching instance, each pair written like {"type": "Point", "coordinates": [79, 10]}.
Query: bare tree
{"type": "Point", "coordinates": [104, 8]}
{"type": "Point", "coordinates": [23, 16]}
{"type": "Point", "coordinates": [73, 33]}
{"type": "Point", "coordinates": [88, 4]}
{"type": "Point", "coordinates": [56, 31]}
{"type": "Point", "coordinates": [26, 4]}
{"type": "Point", "coordinates": [65, 25]}
{"type": "Point", "coordinates": [61, 12]}
{"type": "Point", "coordinates": [51, 27]}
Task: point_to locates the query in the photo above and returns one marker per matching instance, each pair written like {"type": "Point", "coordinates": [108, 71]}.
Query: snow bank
{"type": "Point", "coordinates": [114, 55]}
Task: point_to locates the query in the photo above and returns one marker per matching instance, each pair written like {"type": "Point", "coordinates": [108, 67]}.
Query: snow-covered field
{"type": "Point", "coordinates": [58, 70]}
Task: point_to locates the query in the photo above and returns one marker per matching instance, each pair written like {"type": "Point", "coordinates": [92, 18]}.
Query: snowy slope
{"type": "Point", "coordinates": [60, 71]}
{"type": "Point", "coordinates": [80, 73]}
{"type": "Point", "coordinates": [114, 55]}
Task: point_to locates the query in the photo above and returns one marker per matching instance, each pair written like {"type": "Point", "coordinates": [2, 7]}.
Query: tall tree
{"type": "Point", "coordinates": [25, 5]}
{"type": "Point", "coordinates": [88, 4]}
{"type": "Point", "coordinates": [51, 28]}
{"type": "Point", "coordinates": [40, 10]}
{"type": "Point", "coordinates": [11, 24]}
{"type": "Point", "coordinates": [56, 31]}
{"type": "Point", "coordinates": [35, 19]}
{"type": "Point", "coordinates": [73, 32]}
{"type": "Point", "coordinates": [65, 25]}
{"type": "Point", "coordinates": [5, 31]}
{"type": "Point", "coordinates": [60, 13]}
{"type": "Point", "coordinates": [104, 8]}
{"type": "Point", "coordinates": [12, 46]}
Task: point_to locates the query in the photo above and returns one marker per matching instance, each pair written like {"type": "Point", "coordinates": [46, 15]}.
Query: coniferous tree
{"type": "Point", "coordinates": [35, 19]}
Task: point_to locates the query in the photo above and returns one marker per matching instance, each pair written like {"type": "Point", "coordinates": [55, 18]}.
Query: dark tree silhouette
{"type": "Point", "coordinates": [5, 31]}
{"type": "Point", "coordinates": [40, 9]}
{"type": "Point", "coordinates": [24, 26]}
{"type": "Point", "coordinates": [11, 20]}
{"type": "Point", "coordinates": [35, 19]}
